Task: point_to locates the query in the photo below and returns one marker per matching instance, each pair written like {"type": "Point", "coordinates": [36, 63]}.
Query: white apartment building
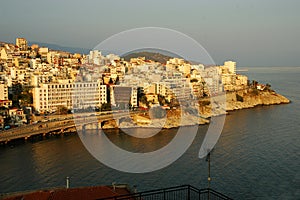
{"type": "Point", "coordinates": [231, 66]}
{"type": "Point", "coordinates": [3, 54]}
{"type": "Point", "coordinates": [175, 61]}
{"type": "Point", "coordinates": [80, 95]}
{"type": "Point", "coordinates": [39, 78]}
{"type": "Point", "coordinates": [176, 86]}
{"type": "Point", "coordinates": [95, 57]}
{"type": "Point", "coordinates": [22, 44]}
{"type": "Point", "coordinates": [241, 80]}
{"type": "Point", "coordinates": [185, 68]}
{"type": "Point", "coordinates": [124, 95]}
{"type": "Point", "coordinates": [3, 91]}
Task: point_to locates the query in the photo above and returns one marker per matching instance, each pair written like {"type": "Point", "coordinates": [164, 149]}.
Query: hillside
{"type": "Point", "coordinates": [158, 57]}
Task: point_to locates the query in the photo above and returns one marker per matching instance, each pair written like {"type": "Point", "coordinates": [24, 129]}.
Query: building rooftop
{"type": "Point", "coordinates": [87, 193]}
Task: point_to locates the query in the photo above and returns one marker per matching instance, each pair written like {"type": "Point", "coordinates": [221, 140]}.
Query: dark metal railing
{"type": "Point", "coordinates": [184, 192]}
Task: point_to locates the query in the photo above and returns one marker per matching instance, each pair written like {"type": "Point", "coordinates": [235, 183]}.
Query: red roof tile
{"type": "Point", "coordinates": [87, 193]}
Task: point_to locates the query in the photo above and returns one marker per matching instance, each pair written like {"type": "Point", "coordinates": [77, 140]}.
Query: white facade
{"type": "Point", "coordinates": [3, 92]}
{"type": "Point", "coordinates": [22, 44]}
{"type": "Point", "coordinates": [124, 94]}
{"type": "Point", "coordinates": [81, 95]}
{"type": "Point", "coordinates": [95, 57]}
{"type": "Point", "coordinates": [231, 66]}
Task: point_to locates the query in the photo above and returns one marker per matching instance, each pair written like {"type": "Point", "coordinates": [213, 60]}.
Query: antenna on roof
{"type": "Point", "coordinates": [114, 185]}
{"type": "Point", "coordinates": [67, 182]}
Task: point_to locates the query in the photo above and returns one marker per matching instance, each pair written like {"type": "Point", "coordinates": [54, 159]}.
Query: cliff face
{"type": "Point", "coordinates": [250, 98]}
{"type": "Point", "coordinates": [172, 120]}
{"type": "Point", "coordinates": [247, 98]}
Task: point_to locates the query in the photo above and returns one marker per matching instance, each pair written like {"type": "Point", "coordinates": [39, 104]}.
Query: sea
{"type": "Point", "coordinates": [256, 157]}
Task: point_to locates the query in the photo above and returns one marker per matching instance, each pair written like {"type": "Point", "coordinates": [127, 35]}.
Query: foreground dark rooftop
{"type": "Point", "coordinates": [119, 192]}
{"type": "Point", "coordinates": [87, 193]}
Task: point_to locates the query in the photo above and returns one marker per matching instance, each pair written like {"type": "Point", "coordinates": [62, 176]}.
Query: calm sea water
{"type": "Point", "coordinates": [257, 156]}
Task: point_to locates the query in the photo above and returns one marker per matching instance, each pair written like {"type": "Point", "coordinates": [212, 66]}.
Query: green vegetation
{"type": "Point", "coordinates": [239, 98]}
{"type": "Point", "coordinates": [62, 110]}
{"type": "Point", "coordinates": [162, 100]}
{"type": "Point", "coordinates": [254, 82]}
{"type": "Point", "coordinates": [204, 103]}
{"type": "Point", "coordinates": [254, 91]}
{"type": "Point", "coordinates": [158, 57]}
{"type": "Point", "coordinates": [194, 80]}
{"type": "Point", "coordinates": [20, 95]}
{"type": "Point", "coordinates": [268, 87]}
{"type": "Point", "coordinates": [106, 107]}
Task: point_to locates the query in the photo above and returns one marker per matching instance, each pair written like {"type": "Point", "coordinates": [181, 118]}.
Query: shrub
{"type": "Point", "coordinates": [254, 92]}
{"type": "Point", "coordinates": [204, 103]}
{"type": "Point", "coordinates": [239, 98]}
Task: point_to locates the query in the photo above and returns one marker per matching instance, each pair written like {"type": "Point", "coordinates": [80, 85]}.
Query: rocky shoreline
{"type": "Point", "coordinates": [252, 98]}
{"type": "Point", "coordinates": [242, 99]}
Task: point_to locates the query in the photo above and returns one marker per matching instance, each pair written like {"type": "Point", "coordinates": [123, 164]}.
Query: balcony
{"type": "Point", "coordinates": [184, 192]}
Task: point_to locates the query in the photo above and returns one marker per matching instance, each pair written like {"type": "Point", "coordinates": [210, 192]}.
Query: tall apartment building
{"type": "Point", "coordinates": [231, 66]}
{"type": "Point", "coordinates": [3, 91]}
{"type": "Point", "coordinates": [22, 44]}
{"type": "Point", "coordinates": [48, 97]}
{"type": "Point", "coordinates": [124, 95]}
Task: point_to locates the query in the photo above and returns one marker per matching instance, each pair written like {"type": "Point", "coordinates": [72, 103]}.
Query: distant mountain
{"type": "Point", "coordinates": [155, 55]}
{"type": "Point", "coordinates": [61, 48]}
{"type": "Point", "coordinates": [151, 54]}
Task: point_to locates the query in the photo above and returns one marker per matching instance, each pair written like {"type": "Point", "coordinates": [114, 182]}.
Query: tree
{"type": "Point", "coordinates": [194, 80]}
{"type": "Point", "coordinates": [62, 110]}
{"type": "Point", "coordinates": [143, 99]}
{"type": "Point", "coordinates": [106, 107]}
{"type": "Point", "coordinates": [239, 98]}
{"type": "Point", "coordinates": [254, 83]}
{"type": "Point", "coordinates": [204, 89]}
{"type": "Point", "coordinates": [110, 81]}
{"type": "Point", "coordinates": [15, 95]}
{"type": "Point", "coordinates": [162, 100]}
{"type": "Point", "coordinates": [117, 80]}
{"type": "Point", "coordinates": [268, 87]}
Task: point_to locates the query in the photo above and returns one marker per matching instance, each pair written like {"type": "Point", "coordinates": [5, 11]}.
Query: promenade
{"type": "Point", "coordinates": [60, 125]}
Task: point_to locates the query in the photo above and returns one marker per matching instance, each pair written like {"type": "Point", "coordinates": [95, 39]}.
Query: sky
{"type": "Point", "coordinates": [250, 32]}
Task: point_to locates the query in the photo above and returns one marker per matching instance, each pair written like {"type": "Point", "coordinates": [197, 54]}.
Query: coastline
{"type": "Point", "coordinates": [242, 99]}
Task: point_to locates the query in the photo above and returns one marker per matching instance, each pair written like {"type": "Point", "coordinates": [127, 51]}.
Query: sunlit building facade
{"type": "Point", "coordinates": [79, 95]}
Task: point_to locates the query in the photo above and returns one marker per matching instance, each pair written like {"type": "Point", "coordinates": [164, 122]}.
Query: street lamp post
{"type": "Point", "coordinates": [208, 177]}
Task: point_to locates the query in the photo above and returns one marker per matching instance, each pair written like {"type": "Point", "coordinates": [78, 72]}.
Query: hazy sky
{"type": "Point", "coordinates": [252, 32]}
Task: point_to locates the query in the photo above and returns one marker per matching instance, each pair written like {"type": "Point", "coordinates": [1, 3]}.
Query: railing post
{"type": "Point", "coordinates": [189, 192]}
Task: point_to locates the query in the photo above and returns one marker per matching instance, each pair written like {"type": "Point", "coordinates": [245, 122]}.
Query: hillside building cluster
{"type": "Point", "coordinates": [41, 80]}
